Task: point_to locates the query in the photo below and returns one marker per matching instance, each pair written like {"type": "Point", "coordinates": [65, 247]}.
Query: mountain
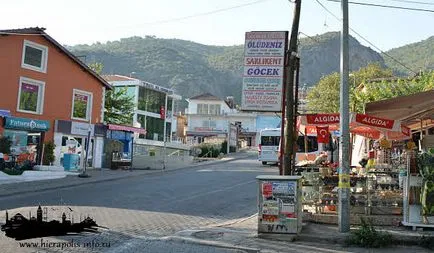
{"type": "Point", "coordinates": [417, 56]}
{"type": "Point", "coordinates": [320, 56]}
{"type": "Point", "coordinates": [191, 68]}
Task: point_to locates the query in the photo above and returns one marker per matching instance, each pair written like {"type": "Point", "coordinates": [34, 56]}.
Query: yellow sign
{"type": "Point", "coordinates": [344, 181]}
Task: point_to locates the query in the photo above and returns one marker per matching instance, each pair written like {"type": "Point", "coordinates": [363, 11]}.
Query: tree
{"type": "Point", "coordinates": [49, 157]}
{"type": "Point", "coordinates": [97, 67]}
{"type": "Point", "coordinates": [372, 83]}
{"type": "Point", "coordinates": [119, 106]}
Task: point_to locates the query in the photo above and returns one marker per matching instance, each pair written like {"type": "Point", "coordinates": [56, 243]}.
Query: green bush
{"type": "Point", "coordinates": [209, 150]}
{"type": "Point", "coordinates": [224, 148]}
{"type": "Point", "coordinates": [13, 172]}
{"type": "Point", "coordinates": [215, 152]}
{"type": "Point", "coordinates": [427, 242]}
{"type": "Point", "coordinates": [367, 236]}
{"type": "Point", "coordinates": [49, 153]}
{"type": "Point", "coordinates": [5, 145]}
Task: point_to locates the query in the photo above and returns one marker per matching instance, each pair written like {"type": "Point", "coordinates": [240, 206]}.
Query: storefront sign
{"type": "Point", "coordinates": [374, 121]}
{"type": "Point", "coordinates": [127, 129]}
{"type": "Point", "coordinates": [264, 59]}
{"type": "Point", "coordinates": [27, 124]}
{"type": "Point", "coordinates": [79, 128]}
{"type": "Point", "coordinates": [323, 119]}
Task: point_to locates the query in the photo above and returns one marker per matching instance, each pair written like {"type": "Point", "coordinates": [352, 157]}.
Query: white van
{"type": "Point", "coordinates": [269, 147]}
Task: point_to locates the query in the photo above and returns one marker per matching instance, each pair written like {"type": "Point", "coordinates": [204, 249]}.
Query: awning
{"type": "Point", "coordinates": [413, 111]}
{"type": "Point", "coordinates": [361, 124]}
{"type": "Point", "coordinates": [127, 129]}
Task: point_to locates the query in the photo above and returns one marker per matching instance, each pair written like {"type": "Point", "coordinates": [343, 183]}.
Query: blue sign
{"type": "Point", "coordinates": [5, 113]}
{"type": "Point", "coordinates": [27, 124]}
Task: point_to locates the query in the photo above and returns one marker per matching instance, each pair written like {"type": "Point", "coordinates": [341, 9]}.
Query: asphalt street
{"type": "Point", "coordinates": [153, 205]}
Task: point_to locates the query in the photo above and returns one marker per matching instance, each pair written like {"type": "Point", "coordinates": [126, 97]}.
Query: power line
{"type": "Point", "coordinates": [385, 6]}
{"type": "Point", "coordinates": [388, 55]}
{"type": "Point", "coordinates": [411, 2]}
{"type": "Point", "coordinates": [310, 37]}
{"type": "Point", "coordinates": [370, 43]}
{"type": "Point", "coordinates": [201, 14]}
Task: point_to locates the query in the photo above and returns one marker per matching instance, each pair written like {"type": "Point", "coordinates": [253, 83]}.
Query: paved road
{"type": "Point", "coordinates": [153, 205]}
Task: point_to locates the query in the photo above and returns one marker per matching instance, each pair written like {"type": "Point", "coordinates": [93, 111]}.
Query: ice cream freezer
{"type": "Point", "coordinates": [279, 204]}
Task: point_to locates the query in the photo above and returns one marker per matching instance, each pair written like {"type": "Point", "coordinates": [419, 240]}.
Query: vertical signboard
{"type": "Point", "coordinates": [264, 60]}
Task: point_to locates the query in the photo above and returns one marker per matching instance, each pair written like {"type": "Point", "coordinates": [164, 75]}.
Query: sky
{"type": "Point", "coordinates": [214, 22]}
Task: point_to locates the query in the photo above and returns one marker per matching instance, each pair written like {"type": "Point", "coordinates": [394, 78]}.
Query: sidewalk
{"type": "Point", "coordinates": [20, 186]}
{"type": "Point", "coordinates": [242, 234]}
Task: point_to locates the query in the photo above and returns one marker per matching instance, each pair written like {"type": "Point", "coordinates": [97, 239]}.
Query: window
{"type": "Point", "coordinates": [30, 96]}
{"type": "Point", "coordinates": [150, 100]}
{"type": "Point", "coordinates": [270, 140]}
{"type": "Point", "coordinates": [214, 109]}
{"type": "Point", "coordinates": [154, 127]}
{"type": "Point", "coordinates": [202, 109]}
{"type": "Point", "coordinates": [34, 56]}
{"type": "Point", "coordinates": [82, 105]}
{"type": "Point", "coordinates": [312, 144]}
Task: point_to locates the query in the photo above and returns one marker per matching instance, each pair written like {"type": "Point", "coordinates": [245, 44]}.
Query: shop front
{"type": "Point", "coordinates": [118, 147]}
{"type": "Point", "coordinates": [26, 135]}
{"type": "Point", "coordinates": [70, 138]}
{"type": "Point", "coordinates": [376, 178]}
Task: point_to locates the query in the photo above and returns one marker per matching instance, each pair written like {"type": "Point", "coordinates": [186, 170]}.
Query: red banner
{"type": "Point", "coordinates": [374, 121]}
{"type": "Point", "coordinates": [323, 134]}
{"type": "Point", "coordinates": [162, 112]}
{"type": "Point", "coordinates": [323, 119]}
{"type": "Point", "coordinates": [406, 130]}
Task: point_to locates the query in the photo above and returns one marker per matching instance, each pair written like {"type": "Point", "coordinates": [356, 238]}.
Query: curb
{"type": "Point", "coordinates": [210, 243]}
{"type": "Point", "coordinates": [399, 238]}
{"type": "Point", "coordinates": [9, 194]}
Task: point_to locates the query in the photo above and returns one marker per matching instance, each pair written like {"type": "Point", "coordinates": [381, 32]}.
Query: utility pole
{"type": "Point", "coordinates": [344, 170]}
{"type": "Point", "coordinates": [288, 151]}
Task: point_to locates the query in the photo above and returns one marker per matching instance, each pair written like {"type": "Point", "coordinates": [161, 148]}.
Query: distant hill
{"type": "Point", "coordinates": [320, 56]}
{"type": "Point", "coordinates": [417, 56]}
{"type": "Point", "coordinates": [191, 68]}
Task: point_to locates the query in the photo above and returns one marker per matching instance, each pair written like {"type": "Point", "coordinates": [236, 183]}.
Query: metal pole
{"type": "Point", "coordinates": [282, 118]}
{"type": "Point", "coordinates": [229, 138]}
{"type": "Point", "coordinates": [289, 94]}
{"type": "Point", "coordinates": [164, 134]}
{"type": "Point", "coordinates": [297, 74]}
{"type": "Point", "coordinates": [132, 150]}
{"type": "Point", "coordinates": [344, 170]}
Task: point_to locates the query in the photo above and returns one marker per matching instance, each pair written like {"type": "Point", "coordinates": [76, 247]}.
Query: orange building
{"type": "Point", "coordinates": [47, 94]}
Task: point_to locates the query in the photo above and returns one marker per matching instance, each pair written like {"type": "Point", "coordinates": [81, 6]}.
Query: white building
{"type": "Point", "coordinates": [153, 108]}
{"type": "Point", "coordinates": [209, 118]}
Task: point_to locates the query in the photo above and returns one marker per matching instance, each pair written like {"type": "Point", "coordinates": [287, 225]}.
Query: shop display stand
{"type": "Point", "coordinates": [412, 206]}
